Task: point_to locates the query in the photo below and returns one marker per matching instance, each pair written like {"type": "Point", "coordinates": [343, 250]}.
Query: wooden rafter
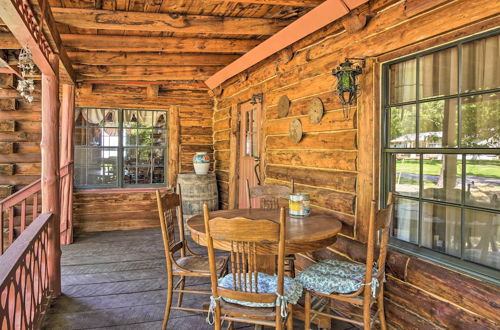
{"type": "Point", "coordinates": [50, 29]}
{"type": "Point", "coordinates": [8, 41]}
{"type": "Point", "coordinates": [294, 3]}
{"type": "Point", "coordinates": [164, 22]}
{"type": "Point", "coordinates": [320, 16]}
{"type": "Point", "coordinates": [157, 44]}
{"type": "Point", "coordinates": [21, 21]}
{"type": "Point", "coordinates": [144, 72]}
{"type": "Point", "coordinates": [6, 67]}
{"type": "Point", "coordinates": [121, 58]}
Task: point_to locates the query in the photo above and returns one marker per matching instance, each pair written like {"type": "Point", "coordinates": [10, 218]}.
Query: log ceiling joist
{"type": "Point", "coordinates": [317, 18]}
{"type": "Point", "coordinates": [5, 66]}
{"type": "Point", "coordinates": [50, 29]}
{"type": "Point", "coordinates": [164, 22]}
{"type": "Point", "coordinates": [155, 59]}
{"type": "Point", "coordinates": [8, 41]}
{"type": "Point", "coordinates": [294, 3]}
{"type": "Point", "coordinates": [21, 21]}
{"type": "Point", "coordinates": [165, 84]}
{"type": "Point", "coordinates": [109, 73]}
{"type": "Point", "coordinates": [156, 44]}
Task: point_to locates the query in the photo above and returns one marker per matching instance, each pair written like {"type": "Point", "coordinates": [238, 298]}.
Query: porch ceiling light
{"type": "Point", "coordinates": [347, 88]}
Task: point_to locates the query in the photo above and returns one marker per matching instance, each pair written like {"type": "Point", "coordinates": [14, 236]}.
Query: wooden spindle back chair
{"type": "Point", "coordinates": [244, 236]}
{"type": "Point", "coordinates": [186, 263]}
{"type": "Point", "coordinates": [270, 196]}
{"type": "Point", "coordinates": [380, 223]}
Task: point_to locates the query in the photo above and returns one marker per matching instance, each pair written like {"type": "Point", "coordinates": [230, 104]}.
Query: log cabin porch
{"type": "Point", "coordinates": [104, 102]}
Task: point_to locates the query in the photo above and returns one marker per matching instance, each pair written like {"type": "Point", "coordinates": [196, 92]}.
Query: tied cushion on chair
{"type": "Point", "coordinates": [335, 276]}
{"type": "Point", "coordinates": [266, 284]}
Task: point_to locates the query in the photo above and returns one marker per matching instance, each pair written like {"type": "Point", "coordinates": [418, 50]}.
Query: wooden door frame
{"type": "Point", "coordinates": [234, 147]}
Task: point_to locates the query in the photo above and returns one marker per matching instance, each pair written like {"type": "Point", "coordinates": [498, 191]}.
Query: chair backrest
{"type": "Point", "coordinates": [170, 211]}
{"type": "Point", "coordinates": [244, 236]}
{"type": "Point", "coordinates": [269, 195]}
{"type": "Point", "coordinates": [380, 223]}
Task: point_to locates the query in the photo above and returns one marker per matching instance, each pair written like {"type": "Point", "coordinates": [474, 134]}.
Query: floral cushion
{"type": "Point", "coordinates": [334, 276]}
{"type": "Point", "coordinates": [266, 284]}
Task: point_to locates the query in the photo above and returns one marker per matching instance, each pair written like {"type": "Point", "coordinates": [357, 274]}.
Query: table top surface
{"type": "Point", "coordinates": [315, 227]}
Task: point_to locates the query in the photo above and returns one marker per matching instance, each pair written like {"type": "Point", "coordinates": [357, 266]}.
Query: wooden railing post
{"type": "Point", "coordinates": [50, 170]}
{"type": "Point", "coordinates": [67, 125]}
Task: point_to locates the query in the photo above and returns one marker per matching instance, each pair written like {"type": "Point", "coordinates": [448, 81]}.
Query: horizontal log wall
{"type": "Point", "coordinates": [20, 129]}
{"type": "Point", "coordinates": [138, 210]}
{"type": "Point", "coordinates": [334, 160]}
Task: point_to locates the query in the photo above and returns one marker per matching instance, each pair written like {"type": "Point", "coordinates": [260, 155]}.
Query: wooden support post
{"type": "Point", "coordinates": [67, 125]}
{"type": "Point", "coordinates": [50, 171]}
{"type": "Point", "coordinates": [234, 141]}
{"type": "Point", "coordinates": [367, 146]}
{"type": "Point", "coordinates": [173, 145]}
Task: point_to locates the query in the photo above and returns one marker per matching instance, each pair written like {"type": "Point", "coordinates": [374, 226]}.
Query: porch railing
{"type": "Point", "coordinates": [23, 207]}
{"type": "Point", "coordinates": [24, 277]}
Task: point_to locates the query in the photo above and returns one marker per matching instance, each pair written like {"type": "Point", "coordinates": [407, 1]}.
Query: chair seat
{"type": "Point", "coordinates": [199, 264]}
{"type": "Point", "coordinates": [334, 276]}
{"type": "Point", "coordinates": [266, 284]}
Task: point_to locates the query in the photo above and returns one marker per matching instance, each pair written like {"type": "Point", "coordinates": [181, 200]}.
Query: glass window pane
{"type": "Point", "coordinates": [144, 137]}
{"type": "Point", "coordinates": [110, 118]}
{"type": "Point", "coordinates": [80, 176]}
{"type": "Point", "coordinates": [130, 118]}
{"type": "Point", "coordinates": [482, 181]}
{"type": "Point", "coordinates": [159, 167]}
{"type": "Point", "coordinates": [80, 136]}
{"type": "Point", "coordinates": [481, 121]}
{"type": "Point", "coordinates": [143, 175]}
{"type": "Point", "coordinates": [482, 234]}
{"type": "Point", "coordinates": [161, 120]}
{"type": "Point", "coordinates": [129, 137]}
{"type": "Point", "coordinates": [480, 65]}
{"type": "Point", "coordinates": [129, 174]}
{"type": "Point", "coordinates": [438, 124]}
{"type": "Point", "coordinates": [159, 137]}
{"type": "Point", "coordinates": [402, 127]}
{"type": "Point", "coordinates": [403, 81]}
{"type": "Point", "coordinates": [102, 166]}
{"type": "Point", "coordinates": [79, 121]}
{"type": "Point", "coordinates": [109, 137]}
{"type": "Point", "coordinates": [442, 177]}
{"type": "Point", "coordinates": [441, 228]}
{"type": "Point", "coordinates": [438, 74]}
{"type": "Point", "coordinates": [406, 220]}
{"type": "Point", "coordinates": [144, 157]}
{"type": "Point", "coordinates": [80, 156]}
{"type": "Point", "coordinates": [406, 174]}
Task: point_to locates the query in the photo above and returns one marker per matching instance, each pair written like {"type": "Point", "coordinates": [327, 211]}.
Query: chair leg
{"type": "Point", "coordinates": [170, 291]}
{"type": "Point", "coordinates": [366, 314]}
{"type": "Point", "coordinates": [181, 287]}
{"type": "Point", "coordinates": [289, 320]}
{"type": "Point", "coordinates": [307, 311]}
{"type": "Point", "coordinates": [380, 306]}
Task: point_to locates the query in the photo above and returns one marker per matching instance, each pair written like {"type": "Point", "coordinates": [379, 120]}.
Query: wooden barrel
{"type": "Point", "coordinates": [197, 190]}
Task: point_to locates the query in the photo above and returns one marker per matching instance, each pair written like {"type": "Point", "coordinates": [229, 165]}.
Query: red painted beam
{"type": "Point", "coordinates": [317, 18]}
{"type": "Point", "coordinates": [20, 20]}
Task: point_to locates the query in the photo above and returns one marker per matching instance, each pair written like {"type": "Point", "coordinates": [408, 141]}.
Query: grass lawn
{"type": "Point", "coordinates": [482, 168]}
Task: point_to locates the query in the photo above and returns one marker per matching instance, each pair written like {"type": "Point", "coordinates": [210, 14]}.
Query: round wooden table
{"type": "Point", "coordinates": [310, 233]}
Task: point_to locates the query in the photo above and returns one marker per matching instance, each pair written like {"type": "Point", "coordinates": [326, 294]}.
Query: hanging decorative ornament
{"type": "Point", "coordinates": [27, 67]}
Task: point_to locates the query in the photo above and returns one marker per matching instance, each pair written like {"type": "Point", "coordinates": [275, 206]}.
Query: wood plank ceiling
{"type": "Point", "coordinates": [165, 41]}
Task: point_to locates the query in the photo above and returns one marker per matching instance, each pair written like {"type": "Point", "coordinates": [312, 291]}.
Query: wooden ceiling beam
{"type": "Point", "coordinates": [145, 73]}
{"type": "Point", "coordinates": [165, 84]}
{"type": "Point", "coordinates": [23, 24]}
{"type": "Point", "coordinates": [8, 41]}
{"type": "Point", "coordinates": [121, 58]}
{"type": "Point", "coordinates": [292, 3]}
{"type": "Point", "coordinates": [164, 22]}
{"type": "Point", "coordinates": [50, 29]}
{"type": "Point", "coordinates": [317, 18]}
{"type": "Point", "coordinates": [157, 44]}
